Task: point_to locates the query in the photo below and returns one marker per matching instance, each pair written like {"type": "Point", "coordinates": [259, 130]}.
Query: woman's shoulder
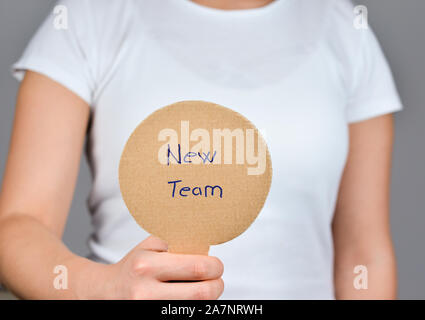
{"type": "Point", "coordinates": [100, 24]}
{"type": "Point", "coordinates": [345, 19]}
{"type": "Point", "coordinates": [98, 12]}
{"type": "Point", "coordinates": [347, 28]}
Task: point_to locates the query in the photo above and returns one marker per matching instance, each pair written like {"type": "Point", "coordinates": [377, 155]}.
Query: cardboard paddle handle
{"type": "Point", "coordinates": [189, 248]}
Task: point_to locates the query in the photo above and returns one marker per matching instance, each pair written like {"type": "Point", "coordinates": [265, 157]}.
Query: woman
{"type": "Point", "coordinates": [318, 87]}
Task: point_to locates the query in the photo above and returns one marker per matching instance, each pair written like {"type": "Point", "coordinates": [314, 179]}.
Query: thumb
{"type": "Point", "coordinates": [154, 244]}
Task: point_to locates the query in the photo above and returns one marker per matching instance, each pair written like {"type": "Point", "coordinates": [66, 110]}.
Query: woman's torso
{"type": "Point", "coordinates": [277, 71]}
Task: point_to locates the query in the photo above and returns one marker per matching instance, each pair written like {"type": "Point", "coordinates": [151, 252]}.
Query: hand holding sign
{"type": "Point", "coordinates": [195, 174]}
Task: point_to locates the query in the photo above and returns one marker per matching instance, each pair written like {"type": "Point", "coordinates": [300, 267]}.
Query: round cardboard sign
{"type": "Point", "coordinates": [195, 174]}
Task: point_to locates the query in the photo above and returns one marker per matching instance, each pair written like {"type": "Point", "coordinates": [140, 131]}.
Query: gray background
{"type": "Point", "coordinates": [400, 27]}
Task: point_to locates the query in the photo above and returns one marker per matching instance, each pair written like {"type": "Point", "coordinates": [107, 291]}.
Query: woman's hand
{"type": "Point", "coordinates": [149, 272]}
{"type": "Point", "coordinates": [45, 151]}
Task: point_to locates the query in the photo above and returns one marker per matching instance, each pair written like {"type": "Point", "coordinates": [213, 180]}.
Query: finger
{"type": "Point", "coordinates": [202, 290]}
{"type": "Point", "coordinates": [185, 267]}
{"type": "Point", "coordinates": [154, 244]}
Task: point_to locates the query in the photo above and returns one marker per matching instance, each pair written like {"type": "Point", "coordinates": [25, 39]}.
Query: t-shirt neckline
{"type": "Point", "coordinates": [191, 5]}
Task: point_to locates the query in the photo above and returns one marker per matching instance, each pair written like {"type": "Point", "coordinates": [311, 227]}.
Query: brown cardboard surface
{"type": "Point", "coordinates": [190, 222]}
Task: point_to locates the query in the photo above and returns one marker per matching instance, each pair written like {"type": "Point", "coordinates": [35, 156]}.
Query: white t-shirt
{"type": "Point", "coordinates": [298, 69]}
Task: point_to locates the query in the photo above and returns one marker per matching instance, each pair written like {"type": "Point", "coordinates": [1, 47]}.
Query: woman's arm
{"type": "Point", "coordinates": [361, 225]}
{"type": "Point", "coordinates": [41, 171]}
{"type": "Point", "coordinates": [39, 181]}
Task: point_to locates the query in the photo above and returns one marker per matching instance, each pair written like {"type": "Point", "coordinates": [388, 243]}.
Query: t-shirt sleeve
{"type": "Point", "coordinates": [372, 91]}
{"type": "Point", "coordinates": [62, 49]}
